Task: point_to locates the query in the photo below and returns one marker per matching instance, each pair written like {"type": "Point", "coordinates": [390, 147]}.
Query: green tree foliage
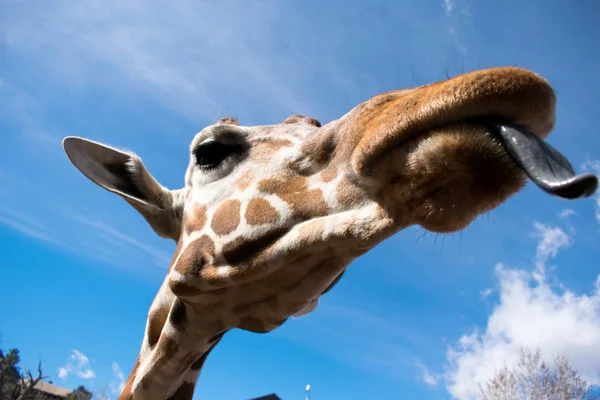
{"type": "Point", "coordinates": [81, 393]}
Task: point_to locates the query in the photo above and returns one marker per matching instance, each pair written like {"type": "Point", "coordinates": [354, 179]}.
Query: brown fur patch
{"type": "Point", "coordinates": [242, 250]}
{"type": "Point", "coordinates": [321, 147]}
{"type": "Point", "coordinates": [191, 262]}
{"type": "Point", "coordinates": [195, 256]}
{"type": "Point", "coordinates": [177, 317]}
{"type": "Point", "coordinates": [196, 220]}
{"type": "Point", "coordinates": [263, 152]}
{"type": "Point", "coordinates": [329, 174]}
{"type": "Point", "coordinates": [243, 182]}
{"type": "Point", "coordinates": [277, 144]}
{"type": "Point", "coordinates": [226, 217]}
{"type": "Point", "coordinates": [348, 194]}
{"type": "Point", "coordinates": [183, 289]}
{"type": "Point", "coordinates": [305, 204]}
{"type": "Point", "coordinates": [260, 212]}
{"type": "Point", "coordinates": [156, 322]}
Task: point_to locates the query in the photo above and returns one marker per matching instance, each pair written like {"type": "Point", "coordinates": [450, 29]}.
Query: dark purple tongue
{"type": "Point", "coordinates": [544, 165]}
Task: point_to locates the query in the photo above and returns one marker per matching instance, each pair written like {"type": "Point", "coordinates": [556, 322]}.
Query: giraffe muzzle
{"type": "Point", "coordinates": [543, 164]}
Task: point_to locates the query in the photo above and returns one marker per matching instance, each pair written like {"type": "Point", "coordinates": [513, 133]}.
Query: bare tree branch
{"type": "Point", "coordinates": [533, 379]}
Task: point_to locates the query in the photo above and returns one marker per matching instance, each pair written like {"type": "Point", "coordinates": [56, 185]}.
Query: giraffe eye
{"type": "Point", "coordinates": [211, 153]}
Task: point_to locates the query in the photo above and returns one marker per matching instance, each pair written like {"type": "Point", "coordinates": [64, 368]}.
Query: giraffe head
{"type": "Point", "coordinates": [287, 207]}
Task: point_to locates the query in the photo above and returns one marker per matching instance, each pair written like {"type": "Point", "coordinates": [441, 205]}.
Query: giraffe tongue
{"type": "Point", "coordinates": [543, 164]}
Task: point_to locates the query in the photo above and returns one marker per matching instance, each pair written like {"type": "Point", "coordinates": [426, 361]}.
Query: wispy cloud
{"type": "Point", "coordinates": [96, 240]}
{"type": "Point", "coordinates": [381, 344]}
{"type": "Point", "coordinates": [486, 292]}
{"type": "Point", "coordinates": [117, 384]}
{"type": "Point", "coordinates": [115, 238]}
{"type": "Point", "coordinates": [78, 365]}
{"type": "Point", "coordinates": [551, 239]}
{"type": "Point", "coordinates": [28, 226]}
{"type": "Point", "coordinates": [457, 13]}
{"type": "Point", "coordinates": [566, 213]}
{"type": "Point", "coordinates": [141, 43]}
{"type": "Point", "coordinates": [426, 376]}
{"type": "Point", "coordinates": [531, 313]}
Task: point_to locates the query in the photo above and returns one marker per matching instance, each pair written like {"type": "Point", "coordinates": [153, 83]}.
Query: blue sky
{"type": "Point", "coordinates": [420, 316]}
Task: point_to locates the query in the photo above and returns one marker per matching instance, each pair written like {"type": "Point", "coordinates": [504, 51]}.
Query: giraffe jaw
{"type": "Point", "coordinates": [448, 176]}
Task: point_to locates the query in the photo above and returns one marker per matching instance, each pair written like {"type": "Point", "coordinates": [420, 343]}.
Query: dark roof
{"type": "Point", "coordinates": [271, 396]}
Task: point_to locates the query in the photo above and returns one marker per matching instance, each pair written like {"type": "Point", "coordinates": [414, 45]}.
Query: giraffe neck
{"type": "Point", "coordinates": [174, 351]}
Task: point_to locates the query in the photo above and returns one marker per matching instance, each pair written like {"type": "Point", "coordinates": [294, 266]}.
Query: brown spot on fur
{"type": "Point", "coordinates": [229, 120]}
{"type": "Point", "coordinates": [277, 144]}
{"type": "Point", "coordinates": [168, 348]}
{"type": "Point", "coordinates": [301, 119]}
{"type": "Point", "coordinates": [195, 256]}
{"type": "Point", "coordinates": [196, 220]}
{"type": "Point", "coordinates": [348, 194]}
{"type": "Point", "coordinates": [263, 151]}
{"type": "Point", "coordinates": [329, 174]}
{"type": "Point", "coordinates": [178, 314]}
{"type": "Point", "coordinates": [156, 322]}
{"type": "Point", "coordinates": [242, 250]}
{"type": "Point", "coordinates": [226, 217]}
{"type": "Point", "coordinates": [260, 212]}
{"type": "Point", "coordinates": [243, 182]}
{"type": "Point", "coordinates": [321, 147]}
{"type": "Point", "coordinates": [305, 204]}
{"type": "Point", "coordinates": [183, 289]}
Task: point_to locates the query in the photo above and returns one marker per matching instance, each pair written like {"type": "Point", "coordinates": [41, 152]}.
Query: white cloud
{"type": "Point", "coordinates": [448, 6]}
{"type": "Point", "coordinates": [172, 51]}
{"type": "Point", "coordinates": [78, 365]}
{"type": "Point", "coordinates": [551, 239]}
{"type": "Point", "coordinates": [566, 213]}
{"type": "Point", "coordinates": [114, 237]}
{"type": "Point", "coordinates": [531, 313]}
{"type": "Point", "coordinates": [62, 372]}
{"type": "Point", "coordinates": [426, 376]}
{"type": "Point", "coordinates": [107, 243]}
{"type": "Point", "coordinates": [486, 292]}
{"type": "Point", "coordinates": [457, 15]}
{"type": "Point", "coordinates": [594, 166]}
{"type": "Point", "coordinates": [118, 383]}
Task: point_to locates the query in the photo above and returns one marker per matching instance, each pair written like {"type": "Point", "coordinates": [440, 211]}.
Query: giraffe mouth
{"type": "Point", "coordinates": [544, 165]}
{"type": "Point", "coordinates": [513, 107]}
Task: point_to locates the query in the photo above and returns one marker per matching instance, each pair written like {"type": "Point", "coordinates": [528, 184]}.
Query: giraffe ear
{"type": "Point", "coordinates": [124, 173]}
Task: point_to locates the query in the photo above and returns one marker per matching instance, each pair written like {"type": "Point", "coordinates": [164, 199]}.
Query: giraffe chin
{"type": "Point", "coordinates": [449, 176]}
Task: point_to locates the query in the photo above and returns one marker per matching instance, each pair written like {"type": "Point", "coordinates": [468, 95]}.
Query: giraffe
{"type": "Point", "coordinates": [270, 216]}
